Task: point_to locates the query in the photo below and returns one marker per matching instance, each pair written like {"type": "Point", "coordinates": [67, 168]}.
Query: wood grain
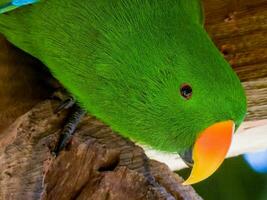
{"type": "Point", "coordinates": [99, 164]}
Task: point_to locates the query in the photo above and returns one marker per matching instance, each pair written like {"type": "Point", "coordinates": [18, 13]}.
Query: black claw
{"type": "Point", "coordinates": [66, 104]}
{"type": "Point", "coordinates": [68, 131]}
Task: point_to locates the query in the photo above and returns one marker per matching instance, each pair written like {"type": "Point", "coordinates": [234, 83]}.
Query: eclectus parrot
{"type": "Point", "coordinates": [147, 68]}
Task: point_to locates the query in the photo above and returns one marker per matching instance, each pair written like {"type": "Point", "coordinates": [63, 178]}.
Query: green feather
{"type": "Point", "coordinates": [194, 9]}
{"type": "Point", "coordinates": [7, 7]}
{"type": "Point", "coordinates": [125, 60]}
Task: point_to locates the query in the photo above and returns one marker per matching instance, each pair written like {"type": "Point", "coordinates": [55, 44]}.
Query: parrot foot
{"type": "Point", "coordinates": [74, 117]}
{"type": "Point", "coordinates": [65, 104]}
{"type": "Point", "coordinates": [71, 124]}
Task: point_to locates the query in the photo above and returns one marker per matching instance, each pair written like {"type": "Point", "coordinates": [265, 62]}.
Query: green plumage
{"type": "Point", "coordinates": [125, 60]}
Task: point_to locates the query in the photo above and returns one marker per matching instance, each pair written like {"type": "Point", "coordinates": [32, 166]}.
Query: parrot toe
{"type": "Point", "coordinates": [69, 128]}
{"type": "Point", "coordinates": [65, 104]}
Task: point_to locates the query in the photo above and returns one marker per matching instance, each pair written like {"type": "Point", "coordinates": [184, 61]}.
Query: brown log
{"type": "Point", "coordinates": [99, 164]}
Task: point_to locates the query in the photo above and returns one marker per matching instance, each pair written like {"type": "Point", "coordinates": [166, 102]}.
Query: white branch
{"type": "Point", "coordinates": [251, 137]}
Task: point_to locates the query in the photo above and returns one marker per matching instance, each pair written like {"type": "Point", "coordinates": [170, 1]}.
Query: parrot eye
{"type": "Point", "coordinates": [186, 91]}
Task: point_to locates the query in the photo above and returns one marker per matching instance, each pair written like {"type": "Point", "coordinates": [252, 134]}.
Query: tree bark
{"type": "Point", "coordinates": [99, 164]}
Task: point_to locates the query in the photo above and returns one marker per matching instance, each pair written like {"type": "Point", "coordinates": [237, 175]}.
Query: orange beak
{"type": "Point", "coordinates": [210, 150]}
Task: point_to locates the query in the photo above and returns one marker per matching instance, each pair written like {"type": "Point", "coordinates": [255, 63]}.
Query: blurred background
{"type": "Point", "coordinates": [240, 178]}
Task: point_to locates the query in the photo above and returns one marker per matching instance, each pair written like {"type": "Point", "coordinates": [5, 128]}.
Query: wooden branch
{"type": "Point", "coordinates": [99, 164]}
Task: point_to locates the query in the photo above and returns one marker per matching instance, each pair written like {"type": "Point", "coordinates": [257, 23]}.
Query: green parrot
{"type": "Point", "coordinates": [147, 68]}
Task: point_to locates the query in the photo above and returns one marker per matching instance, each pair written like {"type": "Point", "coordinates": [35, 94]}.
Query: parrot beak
{"type": "Point", "coordinates": [209, 151]}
